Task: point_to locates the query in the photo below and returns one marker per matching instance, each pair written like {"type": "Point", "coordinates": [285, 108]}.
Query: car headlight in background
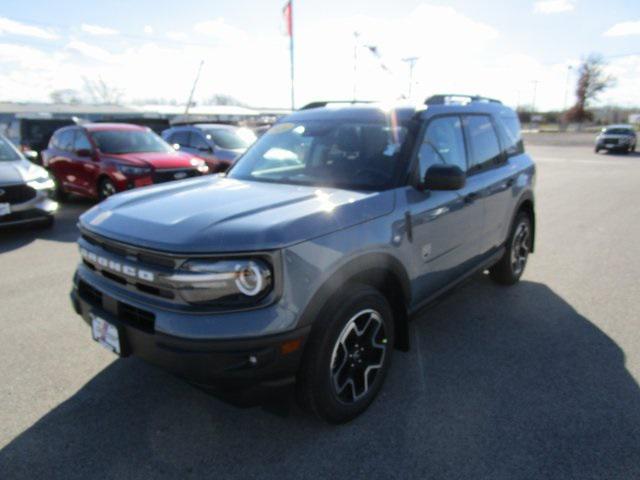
{"type": "Point", "coordinates": [225, 282]}
{"type": "Point", "coordinates": [39, 179]}
{"type": "Point", "coordinates": [200, 165]}
{"type": "Point", "coordinates": [133, 171]}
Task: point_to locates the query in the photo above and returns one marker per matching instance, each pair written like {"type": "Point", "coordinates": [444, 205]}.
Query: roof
{"type": "Point", "coordinates": [217, 126]}
{"type": "Point", "coordinates": [96, 127]}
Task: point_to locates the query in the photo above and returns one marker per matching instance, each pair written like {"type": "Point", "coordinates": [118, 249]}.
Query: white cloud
{"type": "Point", "coordinates": [148, 29]}
{"type": "Point", "coordinates": [624, 29]}
{"type": "Point", "coordinates": [554, 6]}
{"type": "Point", "coordinates": [220, 30]}
{"type": "Point", "coordinates": [90, 51]}
{"type": "Point", "coordinates": [11, 27]}
{"type": "Point", "coordinates": [98, 30]}
{"type": "Point", "coordinates": [177, 36]}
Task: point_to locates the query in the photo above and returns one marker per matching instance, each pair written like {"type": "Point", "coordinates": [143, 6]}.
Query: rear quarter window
{"type": "Point", "coordinates": [510, 134]}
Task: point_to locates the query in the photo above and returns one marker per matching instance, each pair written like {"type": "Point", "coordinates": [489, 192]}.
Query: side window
{"type": "Point", "coordinates": [510, 136]}
{"type": "Point", "coordinates": [483, 141]}
{"type": "Point", "coordinates": [81, 141]}
{"type": "Point", "coordinates": [65, 140]}
{"type": "Point", "coordinates": [443, 143]}
{"type": "Point", "coordinates": [181, 138]}
{"type": "Point", "coordinates": [198, 142]}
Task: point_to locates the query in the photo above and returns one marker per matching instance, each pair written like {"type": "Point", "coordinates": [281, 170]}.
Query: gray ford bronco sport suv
{"type": "Point", "coordinates": [306, 260]}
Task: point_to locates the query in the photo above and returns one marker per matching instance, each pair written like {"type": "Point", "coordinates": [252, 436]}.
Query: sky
{"type": "Point", "coordinates": [520, 51]}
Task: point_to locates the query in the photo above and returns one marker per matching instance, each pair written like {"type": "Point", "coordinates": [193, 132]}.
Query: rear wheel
{"type": "Point", "coordinates": [511, 266]}
{"type": "Point", "coordinates": [106, 188]}
{"type": "Point", "coordinates": [597, 149]}
{"type": "Point", "coordinates": [348, 355]}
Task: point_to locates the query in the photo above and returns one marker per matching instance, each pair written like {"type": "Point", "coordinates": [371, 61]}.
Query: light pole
{"type": "Point", "coordinates": [566, 87]}
{"type": "Point", "coordinates": [411, 61]}
{"type": "Point", "coordinates": [356, 36]}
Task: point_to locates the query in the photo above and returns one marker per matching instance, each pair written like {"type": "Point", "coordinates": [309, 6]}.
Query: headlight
{"type": "Point", "coordinates": [131, 171]}
{"type": "Point", "coordinates": [41, 181]}
{"type": "Point", "coordinates": [200, 165]}
{"type": "Point", "coordinates": [225, 282]}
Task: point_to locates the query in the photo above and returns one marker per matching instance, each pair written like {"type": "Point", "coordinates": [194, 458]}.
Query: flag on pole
{"type": "Point", "coordinates": [288, 19]}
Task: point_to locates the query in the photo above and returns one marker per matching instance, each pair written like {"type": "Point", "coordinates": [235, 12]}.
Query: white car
{"type": "Point", "coordinates": [620, 138]}
{"type": "Point", "coordinates": [25, 189]}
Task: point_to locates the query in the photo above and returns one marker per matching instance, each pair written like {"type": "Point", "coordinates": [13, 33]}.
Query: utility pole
{"type": "Point", "coordinates": [411, 61]}
{"type": "Point", "coordinates": [535, 91]}
{"type": "Point", "coordinates": [566, 87]}
{"type": "Point", "coordinates": [289, 18]}
{"type": "Point", "coordinates": [356, 37]}
{"type": "Point", "coordinates": [193, 88]}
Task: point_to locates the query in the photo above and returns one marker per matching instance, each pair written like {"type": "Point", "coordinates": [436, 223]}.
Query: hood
{"type": "Point", "coordinates": [19, 171]}
{"type": "Point", "coordinates": [156, 159]}
{"type": "Point", "coordinates": [214, 214]}
{"type": "Point", "coordinates": [228, 154]}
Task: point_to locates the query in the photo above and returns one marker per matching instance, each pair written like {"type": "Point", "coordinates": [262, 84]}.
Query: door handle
{"type": "Point", "coordinates": [471, 197]}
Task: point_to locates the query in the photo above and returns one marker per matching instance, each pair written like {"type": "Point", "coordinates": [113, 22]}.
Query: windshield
{"type": "Point", "coordinates": [618, 131]}
{"type": "Point", "coordinates": [129, 141]}
{"type": "Point", "coordinates": [231, 139]}
{"type": "Point", "coordinates": [7, 152]}
{"type": "Point", "coordinates": [343, 154]}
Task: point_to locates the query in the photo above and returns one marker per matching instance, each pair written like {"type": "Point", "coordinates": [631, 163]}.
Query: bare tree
{"type": "Point", "coordinates": [592, 81]}
{"type": "Point", "coordinates": [101, 93]}
{"type": "Point", "coordinates": [66, 95]}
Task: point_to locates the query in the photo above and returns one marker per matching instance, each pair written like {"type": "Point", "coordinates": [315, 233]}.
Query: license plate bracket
{"type": "Point", "coordinates": [106, 334]}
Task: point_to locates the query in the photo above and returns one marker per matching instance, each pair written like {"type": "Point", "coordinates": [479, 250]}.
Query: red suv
{"type": "Point", "coordinates": [98, 160]}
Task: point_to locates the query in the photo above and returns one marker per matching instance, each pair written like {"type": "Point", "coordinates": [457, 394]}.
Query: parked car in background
{"type": "Point", "coordinates": [621, 138]}
{"type": "Point", "coordinates": [100, 159]}
{"type": "Point", "coordinates": [32, 135]}
{"type": "Point", "coordinates": [219, 145]}
{"type": "Point", "coordinates": [25, 189]}
{"type": "Point", "coordinates": [305, 262]}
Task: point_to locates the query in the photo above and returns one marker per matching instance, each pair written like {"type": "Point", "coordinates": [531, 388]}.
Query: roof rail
{"type": "Point", "coordinates": [324, 103]}
{"type": "Point", "coordinates": [444, 98]}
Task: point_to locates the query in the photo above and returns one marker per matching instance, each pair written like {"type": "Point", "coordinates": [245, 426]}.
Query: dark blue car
{"type": "Point", "coordinates": [218, 145]}
{"type": "Point", "coordinates": [307, 260]}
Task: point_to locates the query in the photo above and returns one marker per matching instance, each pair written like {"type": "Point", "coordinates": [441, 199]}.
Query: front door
{"type": "Point", "coordinates": [445, 225]}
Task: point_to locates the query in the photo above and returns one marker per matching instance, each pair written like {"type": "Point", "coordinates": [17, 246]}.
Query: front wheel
{"type": "Point", "coordinates": [510, 267]}
{"type": "Point", "coordinates": [348, 355]}
{"type": "Point", "coordinates": [106, 188]}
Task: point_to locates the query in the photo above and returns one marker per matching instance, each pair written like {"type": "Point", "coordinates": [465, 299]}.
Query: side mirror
{"type": "Point", "coordinates": [444, 177]}
{"type": "Point", "coordinates": [83, 152]}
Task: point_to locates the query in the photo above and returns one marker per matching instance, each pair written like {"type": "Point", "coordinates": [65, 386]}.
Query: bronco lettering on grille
{"type": "Point", "coordinates": [116, 267]}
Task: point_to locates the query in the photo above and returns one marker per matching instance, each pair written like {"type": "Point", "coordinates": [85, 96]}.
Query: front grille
{"type": "Point", "coordinates": [161, 176]}
{"type": "Point", "coordinates": [131, 252]}
{"type": "Point", "coordinates": [16, 193]}
{"type": "Point", "coordinates": [611, 141]}
{"type": "Point", "coordinates": [126, 313]}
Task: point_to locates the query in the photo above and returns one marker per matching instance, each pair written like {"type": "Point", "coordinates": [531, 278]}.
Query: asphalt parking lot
{"type": "Point", "coordinates": [534, 381]}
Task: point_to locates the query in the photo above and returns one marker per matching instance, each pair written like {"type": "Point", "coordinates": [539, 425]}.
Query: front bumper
{"type": "Point", "coordinates": [227, 363]}
{"type": "Point", "coordinates": [38, 209]}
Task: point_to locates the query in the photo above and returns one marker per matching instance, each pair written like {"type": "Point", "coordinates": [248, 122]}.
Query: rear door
{"type": "Point", "coordinates": [445, 225]}
{"type": "Point", "coordinates": [492, 176]}
{"type": "Point", "coordinates": [57, 158]}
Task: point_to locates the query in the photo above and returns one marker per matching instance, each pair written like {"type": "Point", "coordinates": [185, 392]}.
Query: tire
{"type": "Point", "coordinates": [60, 194]}
{"type": "Point", "coordinates": [48, 222]}
{"type": "Point", "coordinates": [510, 267]}
{"type": "Point", "coordinates": [356, 326]}
{"type": "Point", "coordinates": [597, 150]}
{"type": "Point", "coordinates": [106, 188]}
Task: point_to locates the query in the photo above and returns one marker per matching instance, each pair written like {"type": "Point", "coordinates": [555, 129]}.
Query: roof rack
{"type": "Point", "coordinates": [324, 103]}
{"type": "Point", "coordinates": [445, 98]}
